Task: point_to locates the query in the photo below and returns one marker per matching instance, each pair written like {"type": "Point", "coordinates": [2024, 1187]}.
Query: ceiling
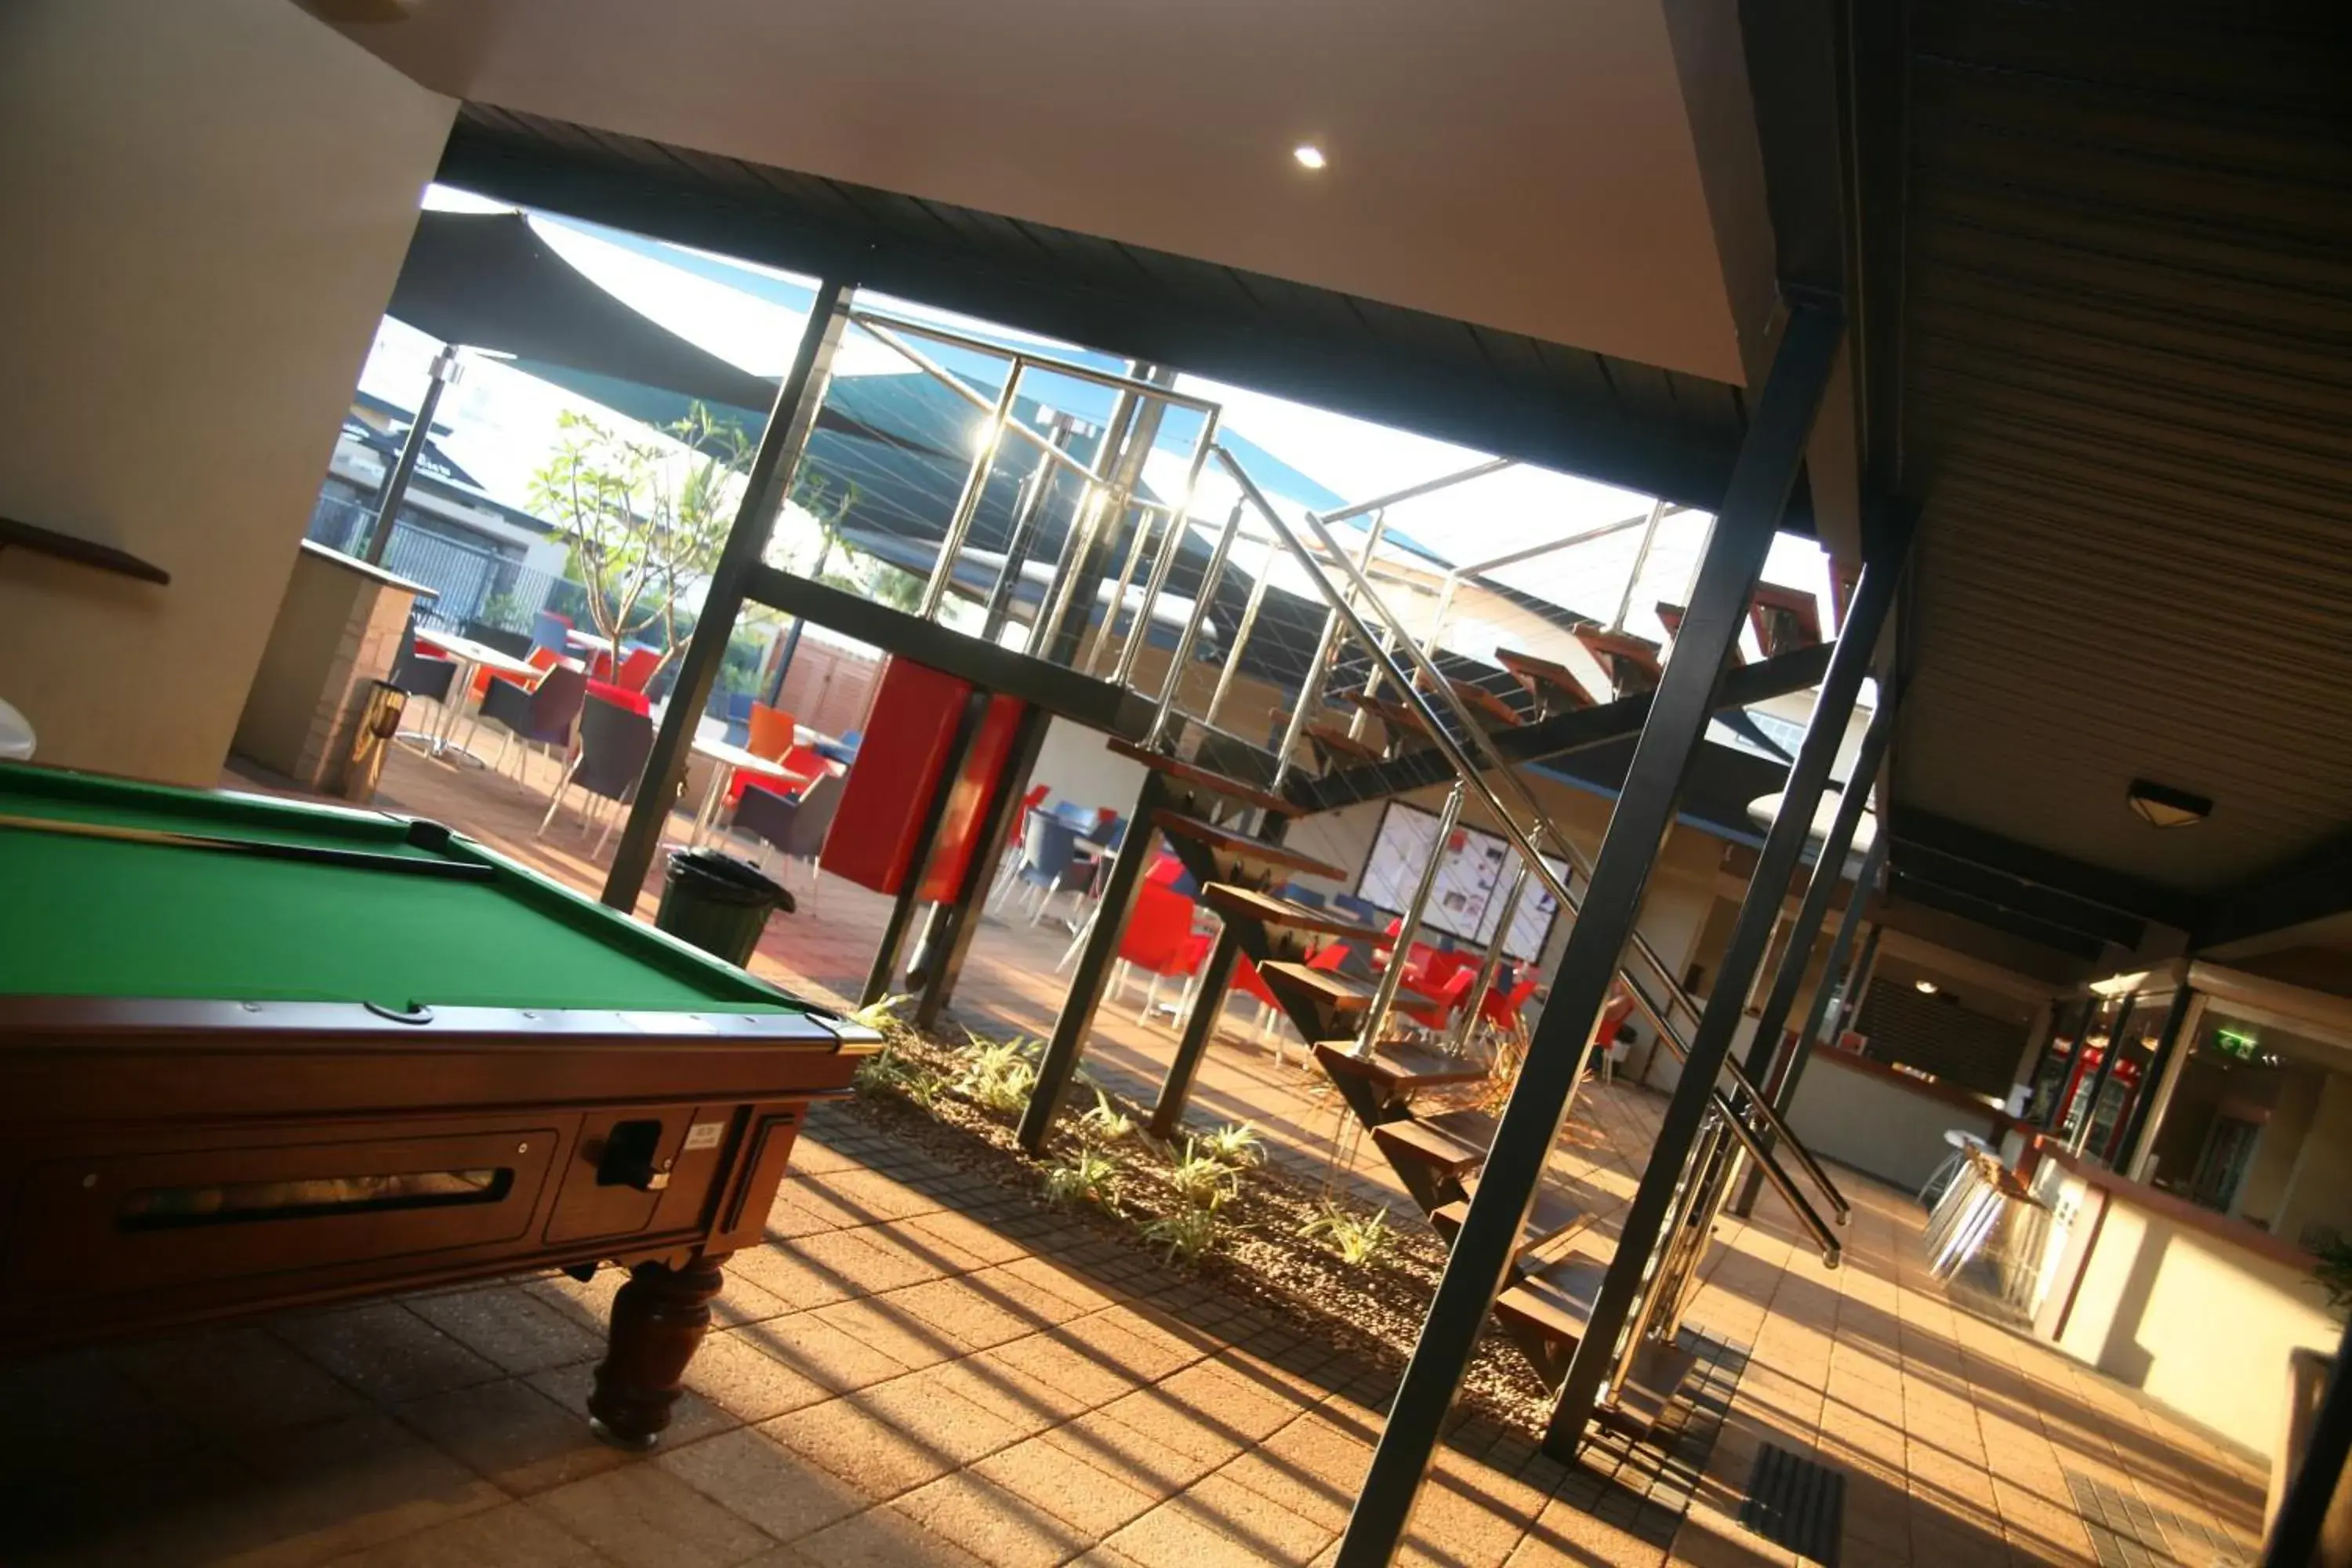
{"type": "Point", "coordinates": [2118, 293]}
{"type": "Point", "coordinates": [1526, 167]}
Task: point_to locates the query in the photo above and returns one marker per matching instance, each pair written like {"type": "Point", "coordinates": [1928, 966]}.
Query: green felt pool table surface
{"type": "Point", "coordinates": [91, 917]}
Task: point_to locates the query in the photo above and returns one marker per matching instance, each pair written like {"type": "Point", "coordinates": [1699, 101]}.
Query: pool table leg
{"type": "Point", "coordinates": [658, 1319]}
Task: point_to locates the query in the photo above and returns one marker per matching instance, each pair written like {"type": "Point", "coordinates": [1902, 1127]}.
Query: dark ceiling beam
{"type": "Point", "coordinates": [1743, 687]}
{"type": "Point", "coordinates": [2031, 898]}
{"type": "Point", "coordinates": [2046, 868]}
{"type": "Point", "coordinates": [2311, 887]}
{"type": "Point", "coordinates": [1311, 344]}
{"type": "Point", "coordinates": [2057, 937]}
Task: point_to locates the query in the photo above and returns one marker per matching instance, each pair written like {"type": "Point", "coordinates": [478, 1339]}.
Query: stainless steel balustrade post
{"type": "Point", "coordinates": [1491, 964]}
{"type": "Point", "coordinates": [1209, 577]}
{"type": "Point", "coordinates": [1226, 675]}
{"type": "Point", "coordinates": [1180, 522]}
{"type": "Point", "coordinates": [1376, 1016]}
{"type": "Point", "coordinates": [967, 505]}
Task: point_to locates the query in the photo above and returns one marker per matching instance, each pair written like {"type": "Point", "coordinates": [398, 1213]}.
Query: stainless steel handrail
{"type": "Point", "coordinates": [1473, 775]}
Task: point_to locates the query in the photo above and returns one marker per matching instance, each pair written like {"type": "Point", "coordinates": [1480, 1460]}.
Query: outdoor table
{"type": "Point", "coordinates": [469, 656]}
{"type": "Point", "coordinates": [725, 759]}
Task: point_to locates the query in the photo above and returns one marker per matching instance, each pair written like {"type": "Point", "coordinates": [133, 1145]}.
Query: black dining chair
{"type": "Point", "coordinates": [542, 716]}
{"type": "Point", "coordinates": [419, 674]}
{"type": "Point", "coordinates": [615, 743]}
{"type": "Point", "coordinates": [795, 824]}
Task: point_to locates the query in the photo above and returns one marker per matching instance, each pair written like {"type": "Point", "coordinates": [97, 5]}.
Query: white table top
{"type": "Point", "coordinates": [740, 757]}
{"type": "Point", "coordinates": [473, 652]}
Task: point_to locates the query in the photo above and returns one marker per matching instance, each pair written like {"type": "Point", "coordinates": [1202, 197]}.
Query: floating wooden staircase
{"type": "Point", "coordinates": [1436, 1151]}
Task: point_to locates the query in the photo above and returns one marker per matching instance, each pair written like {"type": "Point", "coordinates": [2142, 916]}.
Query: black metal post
{"type": "Point", "coordinates": [1077, 1015]}
{"type": "Point", "coordinates": [773, 468]}
{"type": "Point", "coordinates": [2098, 1084]}
{"type": "Point", "coordinates": [2302, 1513]}
{"type": "Point", "coordinates": [2048, 1120]}
{"type": "Point", "coordinates": [394, 488]}
{"type": "Point", "coordinates": [1753, 502]}
{"type": "Point", "coordinates": [951, 940]}
{"type": "Point", "coordinates": [1026, 514]}
{"type": "Point", "coordinates": [2168, 1041]}
{"type": "Point", "coordinates": [1765, 1052]}
{"type": "Point", "coordinates": [1136, 421]}
{"type": "Point", "coordinates": [1864, 971]}
{"type": "Point", "coordinates": [1207, 1007]}
{"type": "Point", "coordinates": [1751, 937]}
{"type": "Point", "coordinates": [1781, 1089]}
{"type": "Point", "coordinates": [926, 843]}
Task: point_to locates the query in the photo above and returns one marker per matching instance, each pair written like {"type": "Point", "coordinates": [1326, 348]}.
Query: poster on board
{"type": "Point", "coordinates": [1473, 881]}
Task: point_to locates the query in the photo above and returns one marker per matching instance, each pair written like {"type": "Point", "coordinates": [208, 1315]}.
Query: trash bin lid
{"type": "Point", "coordinates": [727, 877]}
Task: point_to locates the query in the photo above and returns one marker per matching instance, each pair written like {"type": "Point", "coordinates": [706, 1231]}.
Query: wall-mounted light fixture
{"type": "Point", "coordinates": [2162, 805]}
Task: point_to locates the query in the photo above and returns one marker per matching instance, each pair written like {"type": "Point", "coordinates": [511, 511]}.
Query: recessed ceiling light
{"type": "Point", "coordinates": [1310, 155]}
{"type": "Point", "coordinates": [1926, 987]}
{"type": "Point", "coordinates": [2162, 805]}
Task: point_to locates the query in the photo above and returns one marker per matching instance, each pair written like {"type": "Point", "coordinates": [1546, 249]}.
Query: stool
{"type": "Point", "coordinates": [1964, 1144]}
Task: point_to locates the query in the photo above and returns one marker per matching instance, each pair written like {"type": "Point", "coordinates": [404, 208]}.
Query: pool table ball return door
{"type": "Point", "coordinates": [173, 1162]}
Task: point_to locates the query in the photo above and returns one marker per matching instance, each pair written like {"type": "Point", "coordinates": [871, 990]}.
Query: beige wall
{"type": "Point", "coordinates": [2195, 1322]}
{"type": "Point", "coordinates": [208, 203]}
{"type": "Point", "coordinates": [2319, 1194]}
{"type": "Point", "coordinates": [2264, 1188]}
{"type": "Point", "coordinates": [1861, 1118]}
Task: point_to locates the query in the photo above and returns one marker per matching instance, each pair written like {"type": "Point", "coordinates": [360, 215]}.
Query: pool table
{"type": "Point", "coordinates": [366, 1056]}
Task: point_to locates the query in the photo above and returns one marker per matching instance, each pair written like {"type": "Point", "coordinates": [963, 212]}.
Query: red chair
{"type": "Point", "coordinates": [1502, 1009]}
{"type": "Point", "coordinates": [541, 660]}
{"type": "Point", "coordinates": [1436, 1012]}
{"type": "Point", "coordinates": [637, 670]}
{"type": "Point", "coordinates": [1613, 1013]}
{"type": "Point", "coordinates": [620, 697]}
{"type": "Point", "coordinates": [1249, 983]}
{"type": "Point", "coordinates": [1158, 940]}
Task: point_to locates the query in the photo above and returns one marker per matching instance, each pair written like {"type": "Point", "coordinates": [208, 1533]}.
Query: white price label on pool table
{"type": "Point", "coordinates": [705, 1134]}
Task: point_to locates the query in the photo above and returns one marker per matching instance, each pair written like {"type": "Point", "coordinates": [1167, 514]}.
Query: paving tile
{"type": "Point", "coordinates": [903, 1333]}
{"type": "Point", "coordinates": [691, 1417]}
{"type": "Point", "coordinates": [335, 1487]}
{"type": "Point", "coordinates": [512, 1435]}
{"type": "Point", "coordinates": [508, 1536]}
{"type": "Point", "coordinates": [997, 1525]}
{"type": "Point", "coordinates": [386, 1352]}
{"type": "Point", "coordinates": [511, 1326]}
{"type": "Point", "coordinates": [743, 1375]}
{"type": "Point", "coordinates": [228, 1381]}
{"type": "Point", "coordinates": [883, 1538]}
{"type": "Point", "coordinates": [825, 1354]}
{"type": "Point", "coordinates": [890, 1442]}
{"type": "Point", "coordinates": [1094, 1500]}
{"type": "Point", "coordinates": [757, 1479]}
{"type": "Point", "coordinates": [1139, 1458]}
{"type": "Point", "coordinates": [642, 1516]}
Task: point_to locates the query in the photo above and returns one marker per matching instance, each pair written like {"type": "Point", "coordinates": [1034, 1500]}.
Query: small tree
{"type": "Point", "coordinates": [642, 519]}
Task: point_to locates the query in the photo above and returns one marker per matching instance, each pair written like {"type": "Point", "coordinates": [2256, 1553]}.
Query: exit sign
{"type": "Point", "coordinates": [2236, 1043]}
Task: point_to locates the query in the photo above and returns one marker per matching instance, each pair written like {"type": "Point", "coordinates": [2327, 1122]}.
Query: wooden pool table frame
{"type": "Point", "coordinates": [102, 1098]}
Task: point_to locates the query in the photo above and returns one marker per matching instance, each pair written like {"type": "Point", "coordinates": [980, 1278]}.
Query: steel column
{"type": "Point", "coordinates": [942, 962]}
{"type": "Point", "coordinates": [1025, 515]}
{"type": "Point", "coordinates": [2128, 1123]}
{"type": "Point", "coordinates": [1111, 911]}
{"type": "Point", "coordinates": [1597, 1352]}
{"type": "Point", "coordinates": [444, 370]}
{"type": "Point", "coordinates": [2163, 1078]}
{"type": "Point", "coordinates": [1126, 442]}
{"type": "Point", "coordinates": [774, 467]}
{"type": "Point", "coordinates": [1761, 479]}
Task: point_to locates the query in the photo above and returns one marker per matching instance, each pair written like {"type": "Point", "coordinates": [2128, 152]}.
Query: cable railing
{"type": "Point", "coordinates": [1522, 836]}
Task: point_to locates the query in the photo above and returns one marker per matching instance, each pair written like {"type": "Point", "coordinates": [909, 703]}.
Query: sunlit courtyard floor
{"type": "Point", "coordinates": [918, 1368]}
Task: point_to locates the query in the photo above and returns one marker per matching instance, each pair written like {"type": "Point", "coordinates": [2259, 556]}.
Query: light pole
{"type": "Point", "coordinates": [444, 371]}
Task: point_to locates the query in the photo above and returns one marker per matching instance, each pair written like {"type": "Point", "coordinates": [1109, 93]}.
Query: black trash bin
{"type": "Point", "coordinates": [718, 904]}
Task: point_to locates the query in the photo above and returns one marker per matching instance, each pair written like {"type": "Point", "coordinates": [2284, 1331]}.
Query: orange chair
{"type": "Point", "coordinates": [1158, 940]}
{"type": "Point", "coordinates": [772, 731]}
{"type": "Point", "coordinates": [541, 660]}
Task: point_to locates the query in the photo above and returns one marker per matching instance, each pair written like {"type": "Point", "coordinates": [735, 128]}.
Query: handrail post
{"type": "Point", "coordinates": [1762, 477]}
{"type": "Point", "coordinates": [1210, 576]}
{"type": "Point", "coordinates": [1179, 524]}
{"type": "Point", "coordinates": [1408, 927]}
{"type": "Point", "coordinates": [976, 485]}
{"type": "Point", "coordinates": [1493, 962]}
{"type": "Point", "coordinates": [1226, 675]}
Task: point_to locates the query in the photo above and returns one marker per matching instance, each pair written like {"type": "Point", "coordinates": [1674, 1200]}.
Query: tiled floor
{"type": "Point", "coordinates": [915, 1370]}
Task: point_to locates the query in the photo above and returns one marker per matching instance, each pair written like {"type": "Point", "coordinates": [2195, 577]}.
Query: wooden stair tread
{"type": "Point", "coordinates": [1651, 1382]}
{"type": "Point", "coordinates": [1551, 684]}
{"type": "Point", "coordinates": [1270, 909]}
{"type": "Point", "coordinates": [1455, 1142]}
{"type": "Point", "coordinates": [1553, 1216]}
{"type": "Point", "coordinates": [1785, 619]}
{"type": "Point", "coordinates": [1335, 739]}
{"type": "Point", "coordinates": [1329, 986]}
{"type": "Point", "coordinates": [1632, 661]}
{"type": "Point", "coordinates": [1225, 785]}
{"type": "Point", "coordinates": [1176, 825]}
{"type": "Point", "coordinates": [1398, 1066]}
{"type": "Point", "coordinates": [1556, 1302]}
{"type": "Point", "coordinates": [1670, 616]}
{"type": "Point", "coordinates": [1402, 722]}
{"type": "Point", "coordinates": [1486, 705]}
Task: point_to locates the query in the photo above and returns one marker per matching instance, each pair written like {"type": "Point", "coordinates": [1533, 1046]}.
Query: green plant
{"type": "Point", "coordinates": [1187, 1234]}
{"type": "Point", "coordinates": [1235, 1145]}
{"type": "Point", "coordinates": [890, 1073]}
{"type": "Point", "coordinates": [998, 1075]}
{"type": "Point", "coordinates": [1357, 1239]}
{"type": "Point", "coordinates": [882, 1014]}
{"type": "Point", "coordinates": [1105, 1123]}
{"type": "Point", "coordinates": [1201, 1180]}
{"type": "Point", "coordinates": [1085, 1178]}
{"type": "Point", "coordinates": [2334, 1274]}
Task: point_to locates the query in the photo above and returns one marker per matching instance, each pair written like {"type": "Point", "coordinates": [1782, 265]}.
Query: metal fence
{"type": "Point", "coordinates": [472, 584]}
